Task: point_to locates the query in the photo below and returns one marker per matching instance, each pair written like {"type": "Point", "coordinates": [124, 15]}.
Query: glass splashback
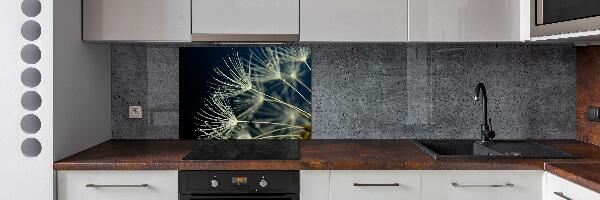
{"type": "Point", "coordinates": [245, 93]}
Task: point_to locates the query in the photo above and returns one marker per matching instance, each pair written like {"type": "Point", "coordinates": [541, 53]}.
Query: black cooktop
{"type": "Point", "coordinates": [245, 150]}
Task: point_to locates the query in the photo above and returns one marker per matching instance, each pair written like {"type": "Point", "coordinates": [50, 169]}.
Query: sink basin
{"type": "Point", "coordinates": [469, 149]}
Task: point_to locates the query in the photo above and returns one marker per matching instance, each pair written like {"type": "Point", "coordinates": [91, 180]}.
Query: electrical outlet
{"type": "Point", "coordinates": [135, 112]}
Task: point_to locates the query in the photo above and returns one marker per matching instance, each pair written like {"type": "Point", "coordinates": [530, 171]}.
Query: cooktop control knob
{"type": "Point", "coordinates": [263, 183]}
{"type": "Point", "coordinates": [214, 183]}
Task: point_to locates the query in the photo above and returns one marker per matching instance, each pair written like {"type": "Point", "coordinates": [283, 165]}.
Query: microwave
{"type": "Point", "coordinates": [553, 17]}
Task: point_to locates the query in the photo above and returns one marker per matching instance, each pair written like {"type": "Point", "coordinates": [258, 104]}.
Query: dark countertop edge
{"type": "Point", "coordinates": [67, 167]}
{"type": "Point", "coordinates": [572, 176]}
{"type": "Point", "coordinates": [298, 165]}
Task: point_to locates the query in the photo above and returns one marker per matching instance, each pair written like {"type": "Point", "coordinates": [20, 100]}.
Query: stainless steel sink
{"type": "Point", "coordinates": [470, 149]}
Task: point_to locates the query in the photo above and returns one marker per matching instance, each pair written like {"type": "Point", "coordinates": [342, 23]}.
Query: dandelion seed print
{"type": "Point", "coordinates": [245, 93]}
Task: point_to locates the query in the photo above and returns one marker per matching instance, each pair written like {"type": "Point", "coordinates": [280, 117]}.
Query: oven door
{"type": "Point", "coordinates": [551, 17]}
{"type": "Point", "coordinates": [241, 197]}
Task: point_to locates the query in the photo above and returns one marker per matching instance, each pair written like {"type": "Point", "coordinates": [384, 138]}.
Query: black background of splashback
{"type": "Point", "coordinates": [195, 69]}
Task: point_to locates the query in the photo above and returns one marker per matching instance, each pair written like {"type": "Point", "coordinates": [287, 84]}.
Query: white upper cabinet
{"type": "Point", "coordinates": [354, 20]}
{"type": "Point", "coordinates": [136, 20]}
{"type": "Point", "coordinates": [245, 20]}
{"type": "Point", "coordinates": [307, 20]}
{"type": "Point", "coordinates": [468, 20]}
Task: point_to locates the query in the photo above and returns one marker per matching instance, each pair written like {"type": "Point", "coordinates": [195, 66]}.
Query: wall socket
{"type": "Point", "coordinates": [135, 112]}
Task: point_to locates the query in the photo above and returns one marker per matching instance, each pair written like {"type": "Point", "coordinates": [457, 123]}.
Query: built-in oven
{"type": "Point", "coordinates": [239, 185]}
{"type": "Point", "coordinates": [552, 17]}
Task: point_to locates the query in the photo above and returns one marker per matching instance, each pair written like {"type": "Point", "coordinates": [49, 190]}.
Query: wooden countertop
{"type": "Point", "coordinates": [315, 155]}
{"type": "Point", "coordinates": [584, 174]}
{"type": "Point", "coordinates": [331, 155]}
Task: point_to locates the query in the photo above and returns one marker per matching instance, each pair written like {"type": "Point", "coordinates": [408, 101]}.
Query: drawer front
{"type": "Point", "coordinates": [482, 185]}
{"type": "Point", "coordinates": [560, 189]}
{"type": "Point", "coordinates": [375, 185]}
{"type": "Point", "coordinates": [117, 185]}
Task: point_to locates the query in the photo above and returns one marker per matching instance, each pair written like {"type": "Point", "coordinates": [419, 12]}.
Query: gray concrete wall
{"type": "Point", "coordinates": [373, 91]}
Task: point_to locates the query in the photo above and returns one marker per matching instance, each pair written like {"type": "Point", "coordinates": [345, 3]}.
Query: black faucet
{"type": "Point", "coordinates": [487, 134]}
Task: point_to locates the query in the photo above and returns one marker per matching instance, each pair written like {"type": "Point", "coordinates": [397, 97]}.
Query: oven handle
{"type": "Point", "coordinates": [376, 184]}
{"type": "Point", "coordinates": [286, 196]}
{"type": "Point", "coordinates": [191, 197]}
{"type": "Point", "coordinates": [115, 186]}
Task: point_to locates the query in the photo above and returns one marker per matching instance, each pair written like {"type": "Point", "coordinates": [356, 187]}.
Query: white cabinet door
{"type": "Point", "coordinates": [117, 185]}
{"type": "Point", "coordinates": [560, 189]}
{"type": "Point", "coordinates": [245, 20]}
{"type": "Point", "coordinates": [353, 20]}
{"type": "Point", "coordinates": [482, 185]}
{"type": "Point", "coordinates": [375, 185]}
{"type": "Point", "coordinates": [136, 20]}
{"type": "Point", "coordinates": [468, 21]}
{"type": "Point", "coordinates": [314, 185]}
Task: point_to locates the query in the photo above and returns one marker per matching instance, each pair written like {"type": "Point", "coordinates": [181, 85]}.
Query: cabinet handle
{"type": "Point", "coordinates": [562, 195]}
{"type": "Point", "coordinates": [115, 186]}
{"type": "Point", "coordinates": [376, 184]}
{"type": "Point", "coordinates": [469, 186]}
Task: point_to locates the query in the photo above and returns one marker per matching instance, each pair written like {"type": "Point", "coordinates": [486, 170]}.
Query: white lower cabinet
{"type": "Point", "coordinates": [375, 185]}
{"type": "Point", "coordinates": [560, 189]}
{"type": "Point", "coordinates": [482, 185]}
{"type": "Point", "coordinates": [341, 185]}
{"type": "Point", "coordinates": [117, 185]}
{"type": "Point", "coordinates": [314, 184]}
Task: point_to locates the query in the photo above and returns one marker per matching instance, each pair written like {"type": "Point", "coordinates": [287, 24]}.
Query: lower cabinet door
{"type": "Point", "coordinates": [314, 184]}
{"type": "Point", "coordinates": [482, 185]}
{"type": "Point", "coordinates": [117, 185]}
{"type": "Point", "coordinates": [560, 189]}
{"type": "Point", "coordinates": [375, 185]}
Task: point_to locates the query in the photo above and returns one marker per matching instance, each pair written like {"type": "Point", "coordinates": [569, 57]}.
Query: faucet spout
{"type": "Point", "coordinates": [480, 94]}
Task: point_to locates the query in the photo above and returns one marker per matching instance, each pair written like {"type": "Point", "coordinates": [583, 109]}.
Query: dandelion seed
{"type": "Point", "coordinates": [235, 80]}
{"type": "Point", "coordinates": [249, 103]}
{"type": "Point", "coordinates": [304, 113]}
{"type": "Point", "coordinates": [269, 134]}
{"type": "Point", "coordinates": [217, 119]}
{"type": "Point", "coordinates": [295, 54]}
{"type": "Point", "coordinates": [265, 63]}
{"type": "Point", "coordinates": [288, 136]}
{"type": "Point", "coordinates": [283, 114]}
{"type": "Point", "coordinates": [242, 132]}
{"type": "Point", "coordinates": [294, 74]}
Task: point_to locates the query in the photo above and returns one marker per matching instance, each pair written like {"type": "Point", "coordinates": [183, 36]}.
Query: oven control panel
{"type": "Point", "coordinates": [234, 182]}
